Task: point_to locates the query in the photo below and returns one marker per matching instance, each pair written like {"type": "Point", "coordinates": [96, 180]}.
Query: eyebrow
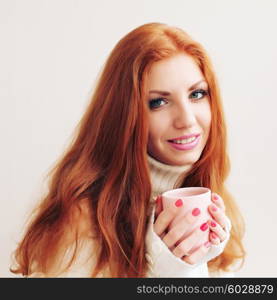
{"type": "Point", "coordinates": [165, 93]}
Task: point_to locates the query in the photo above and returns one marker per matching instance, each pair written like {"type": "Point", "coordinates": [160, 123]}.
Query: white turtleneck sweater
{"type": "Point", "coordinates": [161, 261]}
{"type": "Point", "coordinates": [165, 177]}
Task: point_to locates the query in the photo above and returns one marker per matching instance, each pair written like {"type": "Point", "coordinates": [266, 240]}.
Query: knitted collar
{"type": "Point", "coordinates": [165, 177]}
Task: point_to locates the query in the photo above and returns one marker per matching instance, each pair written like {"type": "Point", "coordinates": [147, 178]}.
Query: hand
{"type": "Point", "coordinates": [218, 223]}
{"type": "Point", "coordinates": [171, 237]}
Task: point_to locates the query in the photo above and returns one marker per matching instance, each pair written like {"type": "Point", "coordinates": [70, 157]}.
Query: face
{"type": "Point", "coordinates": [179, 105]}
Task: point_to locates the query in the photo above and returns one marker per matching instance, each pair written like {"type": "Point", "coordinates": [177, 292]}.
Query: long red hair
{"type": "Point", "coordinates": [106, 167]}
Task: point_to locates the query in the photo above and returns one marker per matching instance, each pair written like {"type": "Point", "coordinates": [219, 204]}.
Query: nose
{"type": "Point", "coordinates": [184, 116]}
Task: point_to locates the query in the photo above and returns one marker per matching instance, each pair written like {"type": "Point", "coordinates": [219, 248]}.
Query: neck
{"type": "Point", "coordinates": [165, 177]}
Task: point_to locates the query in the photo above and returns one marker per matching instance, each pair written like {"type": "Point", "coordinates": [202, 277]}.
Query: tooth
{"type": "Point", "coordinates": [185, 141]}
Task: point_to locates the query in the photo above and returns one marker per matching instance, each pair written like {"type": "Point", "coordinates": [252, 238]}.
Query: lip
{"type": "Point", "coordinates": [185, 137]}
{"type": "Point", "coordinates": [188, 146]}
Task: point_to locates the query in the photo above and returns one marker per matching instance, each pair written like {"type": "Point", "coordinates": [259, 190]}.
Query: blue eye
{"type": "Point", "coordinates": [198, 94]}
{"type": "Point", "coordinates": [153, 102]}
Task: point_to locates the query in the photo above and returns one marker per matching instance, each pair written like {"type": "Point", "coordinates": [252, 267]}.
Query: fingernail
{"type": "Point", "coordinates": [214, 208]}
{"type": "Point", "coordinates": [179, 203]}
{"type": "Point", "coordinates": [213, 235]}
{"type": "Point", "coordinates": [213, 224]}
{"type": "Point", "coordinates": [207, 244]}
{"type": "Point", "coordinates": [215, 197]}
{"type": "Point", "coordinates": [196, 212]}
{"type": "Point", "coordinates": [158, 199]}
{"type": "Point", "coordinates": [204, 227]}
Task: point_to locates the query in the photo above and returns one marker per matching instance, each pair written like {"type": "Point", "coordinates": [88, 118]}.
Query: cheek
{"type": "Point", "coordinates": [151, 133]}
{"type": "Point", "coordinates": [156, 128]}
{"type": "Point", "coordinates": [152, 130]}
{"type": "Point", "coordinates": [206, 118]}
{"type": "Point", "coordinates": [207, 122]}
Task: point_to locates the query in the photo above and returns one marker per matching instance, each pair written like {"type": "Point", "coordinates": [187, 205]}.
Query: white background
{"type": "Point", "coordinates": [50, 54]}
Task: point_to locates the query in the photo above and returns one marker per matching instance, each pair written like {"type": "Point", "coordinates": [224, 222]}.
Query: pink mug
{"type": "Point", "coordinates": [193, 197]}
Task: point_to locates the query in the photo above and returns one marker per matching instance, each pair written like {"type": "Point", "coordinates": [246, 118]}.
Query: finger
{"type": "Point", "coordinates": [214, 239]}
{"type": "Point", "coordinates": [176, 232]}
{"type": "Point", "coordinates": [162, 235]}
{"type": "Point", "coordinates": [166, 216]}
{"type": "Point", "coordinates": [159, 206]}
{"type": "Point", "coordinates": [198, 254]}
{"type": "Point", "coordinates": [187, 244]}
{"type": "Point", "coordinates": [218, 201]}
{"type": "Point", "coordinates": [217, 229]}
{"type": "Point", "coordinates": [218, 215]}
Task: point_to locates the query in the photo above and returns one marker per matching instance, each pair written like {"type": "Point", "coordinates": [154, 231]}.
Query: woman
{"type": "Point", "coordinates": [98, 218]}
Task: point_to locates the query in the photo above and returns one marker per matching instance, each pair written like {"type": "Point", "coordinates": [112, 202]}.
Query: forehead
{"type": "Point", "coordinates": [173, 72]}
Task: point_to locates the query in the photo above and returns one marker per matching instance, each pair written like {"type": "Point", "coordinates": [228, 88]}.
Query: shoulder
{"type": "Point", "coordinates": [78, 249]}
{"type": "Point", "coordinates": [81, 218]}
{"type": "Point", "coordinates": [81, 266]}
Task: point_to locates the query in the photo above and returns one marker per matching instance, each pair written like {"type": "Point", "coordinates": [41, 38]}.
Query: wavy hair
{"type": "Point", "coordinates": [105, 166]}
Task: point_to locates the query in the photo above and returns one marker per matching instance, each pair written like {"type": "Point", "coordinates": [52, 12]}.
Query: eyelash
{"type": "Point", "coordinates": [205, 93]}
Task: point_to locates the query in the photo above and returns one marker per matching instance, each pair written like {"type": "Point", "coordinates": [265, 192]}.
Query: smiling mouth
{"type": "Point", "coordinates": [184, 141]}
{"type": "Point", "coordinates": [186, 144]}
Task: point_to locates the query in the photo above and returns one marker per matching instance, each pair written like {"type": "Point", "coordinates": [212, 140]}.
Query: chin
{"type": "Point", "coordinates": [186, 160]}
